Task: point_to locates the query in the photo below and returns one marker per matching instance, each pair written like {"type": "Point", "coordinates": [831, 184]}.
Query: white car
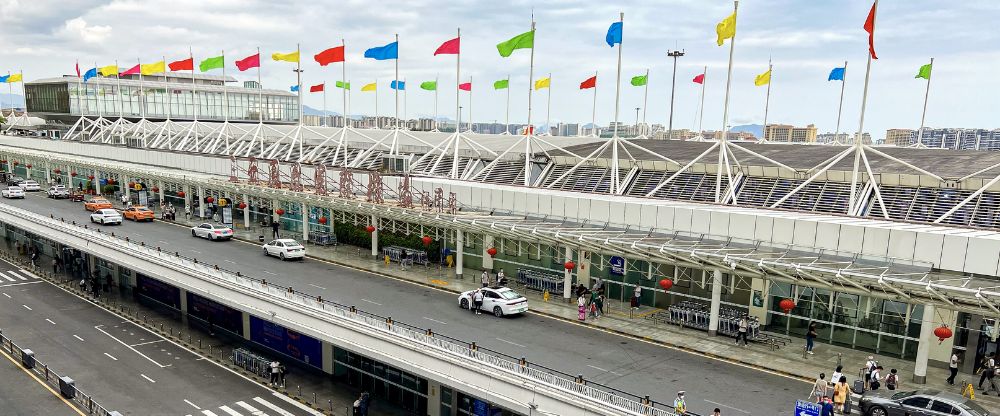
{"type": "Point", "coordinates": [29, 186]}
{"type": "Point", "coordinates": [58, 192]}
{"type": "Point", "coordinates": [13, 192]}
{"type": "Point", "coordinates": [499, 301]}
{"type": "Point", "coordinates": [212, 231]}
{"type": "Point", "coordinates": [106, 216]}
{"type": "Point", "coordinates": [285, 248]}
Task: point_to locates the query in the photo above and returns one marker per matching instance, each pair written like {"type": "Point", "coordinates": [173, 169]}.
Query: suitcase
{"type": "Point", "coordinates": [847, 406]}
{"type": "Point", "coordinates": [859, 387]}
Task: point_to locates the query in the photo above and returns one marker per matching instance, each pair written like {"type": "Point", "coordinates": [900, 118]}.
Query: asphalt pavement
{"type": "Point", "coordinates": [624, 363]}
{"type": "Point", "coordinates": [23, 394]}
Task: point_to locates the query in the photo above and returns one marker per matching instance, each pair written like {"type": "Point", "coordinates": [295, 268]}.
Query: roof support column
{"type": "Point", "coordinates": [128, 190]}
{"type": "Point", "coordinates": [924, 347]}
{"type": "Point", "coordinates": [48, 172]}
{"type": "Point", "coordinates": [568, 276]}
{"type": "Point", "coordinates": [305, 222]}
{"type": "Point", "coordinates": [97, 182]}
{"type": "Point", "coordinates": [246, 212]}
{"type": "Point", "coordinates": [374, 234]}
{"type": "Point", "coordinates": [201, 200]}
{"type": "Point", "coordinates": [459, 257]}
{"type": "Point", "coordinates": [187, 200]}
{"type": "Point", "coordinates": [160, 193]}
{"type": "Point", "coordinates": [487, 258]}
{"type": "Point", "coordinates": [935, 351]}
{"type": "Point", "coordinates": [713, 317]}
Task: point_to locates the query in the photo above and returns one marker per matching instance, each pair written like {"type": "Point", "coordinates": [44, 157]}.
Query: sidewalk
{"type": "Point", "coordinates": [788, 360]}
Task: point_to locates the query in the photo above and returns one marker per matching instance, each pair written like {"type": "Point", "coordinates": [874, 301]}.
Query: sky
{"type": "Point", "coordinates": [804, 39]}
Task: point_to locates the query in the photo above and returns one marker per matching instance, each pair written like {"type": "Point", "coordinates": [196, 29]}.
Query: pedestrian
{"type": "Point", "coordinates": [282, 372]}
{"type": "Point", "coordinates": [636, 296]}
{"type": "Point", "coordinates": [485, 278]}
{"type": "Point", "coordinates": [991, 372]}
{"type": "Point", "coordinates": [744, 325]}
{"type": "Point", "coordinates": [477, 301]}
{"type": "Point", "coordinates": [876, 381]}
{"type": "Point", "coordinates": [402, 259]}
{"type": "Point", "coordinates": [361, 405]}
{"type": "Point", "coordinates": [274, 229]}
{"type": "Point", "coordinates": [717, 412]}
{"type": "Point", "coordinates": [83, 285]}
{"type": "Point", "coordinates": [580, 290]}
{"type": "Point", "coordinates": [986, 370]}
{"type": "Point", "coordinates": [34, 258]}
{"type": "Point", "coordinates": [55, 265]}
{"type": "Point", "coordinates": [600, 304]}
{"type": "Point", "coordinates": [581, 303]}
{"type": "Point", "coordinates": [187, 214]}
{"type": "Point", "coordinates": [598, 285]}
{"type": "Point", "coordinates": [819, 388]}
{"type": "Point", "coordinates": [869, 367]}
{"type": "Point", "coordinates": [892, 381]}
{"type": "Point", "coordinates": [810, 338]}
{"type": "Point", "coordinates": [680, 406]}
{"type": "Point", "coordinates": [501, 279]}
{"type": "Point", "coordinates": [826, 406]}
{"type": "Point", "coordinates": [108, 282]}
{"type": "Point", "coordinates": [275, 368]}
{"type": "Point", "coordinates": [953, 367]}
{"type": "Point", "coordinates": [837, 374]}
{"type": "Point", "coordinates": [841, 394]}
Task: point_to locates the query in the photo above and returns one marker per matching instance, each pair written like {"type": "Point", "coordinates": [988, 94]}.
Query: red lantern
{"type": "Point", "coordinates": [786, 305]}
{"type": "Point", "coordinates": [242, 205]}
{"type": "Point", "coordinates": [57, 171]}
{"type": "Point", "coordinates": [427, 240]}
{"type": "Point", "coordinates": [73, 174]}
{"type": "Point", "coordinates": [569, 265]}
{"type": "Point", "coordinates": [28, 165]}
{"type": "Point", "coordinates": [3, 161]}
{"type": "Point", "coordinates": [180, 194]}
{"type": "Point", "coordinates": [322, 220]}
{"type": "Point", "coordinates": [492, 251]}
{"type": "Point", "coordinates": [370, 229]}
{"type": "Point", "coordinates": [942, 332]}
{"type": "Point", "coordinates": [155, 189]}
{"type": "Point", "coordinates": [666, 284]}
{"type": "Point", "coordinates": [90, 177]}
{"type": "Point", "coordinates": [211, 200]}
{"type": "Point", "coordinates": [16, 163]}
{"type": "Point", "coordinates": [131, 185]}
{"type": "Point", "coordinates": [279, 211]}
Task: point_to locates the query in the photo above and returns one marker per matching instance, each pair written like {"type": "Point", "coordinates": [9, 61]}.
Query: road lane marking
{"type": "Point", "coordinates": [8, 296]}
{"type": "Point", "coordinates": [20, 284]}
{"type": "Point", "coordinates": [77, 337]}
{"type": "Point", "coordinates": [597, 368]}
{"type": "Point", "coordinates": [44, 384]}
{"type": "Point", "coordinates": [192, 404]}
{"type": "Point", "coordinates": [511, 342]}
{"type": "Point", "coordinates": [231, 412]}
{"type": "Point", "coordinates": [265, 271]}
{"type": "Point", "coordinates": [208, 413]}
{"type": "Point", "coordinates": [10, 278]}
{"type": "Point", "coordinates": [230, 261]}
{"type": "Point", "coordinates": [29, 274]}
{"type": "Point", "coordinates": [16, 275]}
{"type": "Point", "coordinates": [301, 406]}
{"type": "Point", "coordinates": [728, 407]}
{"type": "Point", "coordinates": [26, 307]}
{"type": "Point", "coordinates": [111, 356]}
{"type": "Point", "coordinates": [252, 409]}
{"type": "Point", "coordinates": [435, 320]}
{"type": "Point", "coordinates": [130, 347]}
{"type": "Point", "coordinates": [195, 251]}
{"type": "Point", "coordinates": [271, 406]}
{"type": "Point", "coordinates": [50, 321]}
{"type": "Point", "coordinates": [147, 378]}
{"type": "Point", "coordinates": [147, 342]}
{"type": "Point", "coordinates": [320, 287]}
{"type": "Point", "coordinates": [371, 301]}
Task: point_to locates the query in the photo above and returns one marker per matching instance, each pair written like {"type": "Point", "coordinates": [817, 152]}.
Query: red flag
{"type": "Point", "coordinates": [467, 86]}
{"type": "Point", "coordinates": [699, 79]}
{"type": "Point", "coordinates": [450, 47]}
{"type": "Point", "coordinates": [317, 87]}
{"type": "Point", "coordinates": [182, 65]}
{"type": "Point", "coordinates": [78, 69]}
{"type": "Point", "coordinates": [589, 83]}
{"type": "Point", "coordinates": [870, 28]}
{"type": "Point", "coordinates": [252, 61]}
{"type": "Point", "coordinates": [131, 71]}
{"type": "Point", "coordinates": [330, 56]}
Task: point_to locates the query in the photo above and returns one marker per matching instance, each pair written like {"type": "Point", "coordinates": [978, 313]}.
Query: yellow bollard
{"type": "Point", "coordinates": [545, 296]}
{"type": "Point", "coordinates": [386, 259]}
{"type": "Point", "coordinates": [450, 260]}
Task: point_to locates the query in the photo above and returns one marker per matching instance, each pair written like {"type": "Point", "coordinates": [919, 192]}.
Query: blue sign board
{"type": "Point", "coordinates": [293, 344]}
{"type": "Point", "coordinates": [804, 408]}
{"type": "Point", "coordinates": [617, 265]}
{"type": "Point", "coordinates": [215, 313]}
{"type": "Point", "coordinates": [158, 291]}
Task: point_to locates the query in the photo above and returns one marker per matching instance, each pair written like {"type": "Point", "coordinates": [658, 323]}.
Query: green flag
{"type": "Point", "coordinates": [212, 63]}
{"type": "Point", "coordinates": [501, 84]}
{"type": "Point", "coordinates": [523, 41]}
{"type": "Point", "coordinates": [344, 85]}
{"type": "Point", "coordinates": [429, 85]}
{"type": "Point", "coordinates": [639, 80]}
{"type": "Point", "coordinates": [924, 72]}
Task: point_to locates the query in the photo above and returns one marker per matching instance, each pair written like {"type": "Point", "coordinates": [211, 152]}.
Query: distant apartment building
{"type": "Point", "coordinates": [733, 135]}
{"type": "Point", "coordinates": [834, 137]}
{"type": "Point", "coordinates": [946, 138]}
{"type": "Point", "coordinates": [785, 133]}
{"type": "Point", "coordinates": [568, 129]}
{"type": "Point", "coordinates": [899, 137]}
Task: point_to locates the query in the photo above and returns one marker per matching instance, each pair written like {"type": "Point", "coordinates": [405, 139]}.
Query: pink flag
{"type": "Point", "coordinates": [252, 61]}
{"type": "Point", "coordinates": [131, 71]}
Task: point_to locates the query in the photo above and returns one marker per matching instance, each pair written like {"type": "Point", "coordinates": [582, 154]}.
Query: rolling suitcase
{"type": "Point", "coordinates": [859, 387]}
{"type": "Point", "coordinates": [847, 406]}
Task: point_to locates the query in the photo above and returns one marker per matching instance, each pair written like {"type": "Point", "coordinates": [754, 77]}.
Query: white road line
{"type": "Point", "coordinates": [111, 356]}
{"type": "Point", "coordinates": [372, 302]}
{"type": "Point", "coordinates": [320, 287]}
{"type": "Point", "coordinates": [252, 409]}
{"type": "Point", "coordinates": [195, 251]}
{"type": "Point", "coordinates": [208, 413]}
{"type": "Point", "coordinates": [27, 307]}
{"type": "Point", "coordinates": [22, 283]}
{"type": "Point", "coordinates": [192, 404]}
{"type": "Point", "coordinates": [597, 368]}
{"type": "Point", "coordinates": [50, 321]}
{"type": "Point", "coordinates": [271, 406]}
{"type": "Point", "coordinates": [728, 407]}
{"type": "Point", "coordinates": [164, 242]}
{"type": "Point", "coordinates": [147, 342]}
{"type": "Point", "coordinates": [130, 347]}
{"type": "Point", "coordinates": [16, 275]}
{"type": "Point", "coordinates": [147, 378]}
{"type": "Point", "coordinates": [77, 337]}
{"type": "Point", "coordinates": [8, 296]}
{"type": "Point", "coordinates": [10, 278]}
{"type": "Point", "coordinates": [435, 320]}
{"type": "Point", "coordinates": [265, 271]}
{"type": "Point", "coordinates": [297, 404]}
{"type": "Point", "coordinates": [231, 412]}
{"type": "Point", "coordinates": [511, 342]}
{"type": "Point", "coordinates": [29, 274]}
{"type": "Point", "coordinates": [230, 261]}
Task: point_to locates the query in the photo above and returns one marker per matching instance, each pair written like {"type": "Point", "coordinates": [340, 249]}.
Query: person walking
{"type": "Point", "coordinates": [841, 394]}
{"type": "Point", "coordinates": [485, 278]}
{"type": "Point", "coordinates": [819, 388]}
{"type": "Point", "coordinates": [744, 326]}
{"type": "Point", "coordinates": [477, 301]}
{"type": "Point", "coordinates": [275, 368]}
{"type": "Point", "coordinates": [402, 259]}
{"type": "Point", "coordinates": [282, 372]}
{"type": "Point", "coordinates": [892, 381]}
{"type": "Point", "coordinates": [837, 374]}
{"type": "Point", "coordinates": [717, 412]}
{"type": "Point", "coordinates": [34, 259]}
{"type": "Point", "coordinates": [876, 378]}
{"type": "Point", "coordinates": [869, 367]}
{"type": "Point", "coordinates": [636, 296]}
{"type": "Point", "coordinates": [680, 406]}
{"type": "Point", "coordinates": [986, 370]}
{"type": "Point", "coordinates": [811, 338]}
{"type": "Point", "coordinates": [953, 368]}
{"type": "Point", "coordinates": [990, 371]}
{"type": "Point", "coordinates": [501, 278]}
{"type": "Point", "coordinates": [581, 303]}
{"type": "Point", "coordinates": [826, 406]}
{"type": "Point", "coordinates": [599, 302]}
{"type": "Point", "coordinates": [274, 229]}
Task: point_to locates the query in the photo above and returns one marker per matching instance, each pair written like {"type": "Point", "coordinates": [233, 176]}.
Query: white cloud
{"type": "Point", "coordinates": [79, 29]}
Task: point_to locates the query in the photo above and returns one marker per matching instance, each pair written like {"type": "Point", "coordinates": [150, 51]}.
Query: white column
{"type": "Point", "coordinates": [713, 319]}
{"type": "Point", "coordinates": [582, 268]}
{"type": "Point", "coordinates": [128, 189]}
{"type": "Point", "coordinates": [305, 222]}
{"type": "Point", "coordinates": [201, 201]}
{"type": "Point", "coordinates": [568, 276]}
{"type": "Point", "coordinates": [48, 172]}
{"type": "Point", "coordinates": [97, 182]}
{"type": "Point", "coordinates": [375, 236]}
{"type": "Point", "coordinates": [487, 260]}
{"type": "Point", "coordinates": [187, 197]}
{"type": "Point", "coordinates": [162, 200]}
{"type": "Point", "coordinates": [924, 347]}
{"type": "Point", "coordinates": [246, 212]}
{"type": "Point", "coordinates": [459, 247]}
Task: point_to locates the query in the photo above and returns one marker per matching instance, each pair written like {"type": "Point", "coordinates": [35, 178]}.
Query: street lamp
{"type": "Point", "coordinates": [637, 121]}
{"type": "Point", "coordinates": [673, 87]}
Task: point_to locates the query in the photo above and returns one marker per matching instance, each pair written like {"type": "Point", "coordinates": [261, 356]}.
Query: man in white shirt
{"type": "Point", "coordinates": [953, 367]}
{"type": "Point", "coordinates": [501, 278]}
{"type": "Point", "coordinates": [485, 278]}
{"type": "Point", "coordinates": [477, 301]}
{"type": "Point", "coordinates": [876, 378]}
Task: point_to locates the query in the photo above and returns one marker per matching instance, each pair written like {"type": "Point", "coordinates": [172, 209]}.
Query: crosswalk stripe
{"type": "Point", "coordinates": [27, 273]}
{"type": "Point", "coordinates": [208, 413]}
{"type": "Point", "coordinates": [304, 408]}
{"type": "Point", "coordinates": [16, 275]}
{"type": "Point", "coordinates": [271, 406]}
{"type": "Point", "coordinates": [252, 409]}
{"type": "Point", "coordinates": [229, 411]}
{"type": "Point", "coordinates": [9, 278]}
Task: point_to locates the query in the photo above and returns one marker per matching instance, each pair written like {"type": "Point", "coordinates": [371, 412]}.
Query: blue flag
{"type": "Point", "coordinates": [400, 84]}
{"type": "Point", "coordinates": [614, 34]}
{"type": "Point", "coordinates": [3, 79]}
{"type": "Point", "coordinates": [92, 72]}
{"type": "Point", "coordinates": [837, 74]}
{"type": "Point", "coordinates": [294, 88]}
{"type": "Point", "coordinates": [381, 53]}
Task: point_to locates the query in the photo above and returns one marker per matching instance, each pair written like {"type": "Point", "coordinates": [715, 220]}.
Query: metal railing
{"type": "Point", "coordinates": [520, 367]}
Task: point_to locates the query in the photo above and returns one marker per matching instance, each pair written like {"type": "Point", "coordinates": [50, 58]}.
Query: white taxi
{"type": "Point", "coordinates": [499, 301]}
{"type": "Point", "coordinates": [106, 216]}
{"type": "Point", "coordinates": [212, 231]}
{"type": "Point", "coordinates": [285, 248]}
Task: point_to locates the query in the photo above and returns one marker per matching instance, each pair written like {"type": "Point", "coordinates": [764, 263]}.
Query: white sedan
{"type": "Point", "coordinates": [498, 300]}
{"type": "Point", "coordinates": [106, 216]}
{"type": "Point", "coordinates": [29, 186]}
{"type": "Point", "coordinates": [285, 248]}
{"type": "Point", "coordinates": [13, 192]}
{"type": "Point", "coordinates": [212, 231]}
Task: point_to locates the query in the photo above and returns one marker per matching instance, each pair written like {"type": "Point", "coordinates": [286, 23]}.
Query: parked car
{"type": "Point", "coordinates": [138, 213]}
{"type": "Point", "coordinates": [919, 403]}
{"type": "Point", "coordinates": [285, 248]}
{"type": "Point", "coordinates": [96, 203]}
{"type": "Point", "coordinates": [29, 186]}
{"type": "Point", "coordinates": [14, 180]}
{"type": "Point", "coordinates": [58, 192]}
{"type": "Point", "coordinates": [106, 216]}
{"type": "Point", "coordinates": [13, 192]}
{"type": "Point", "coordinates": [499, 301]}
{"type": "Point", "coordinates": [212, 231]}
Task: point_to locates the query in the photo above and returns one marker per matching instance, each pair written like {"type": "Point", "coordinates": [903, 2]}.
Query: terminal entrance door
{"type": "Point", "coordinates": [989, 344]}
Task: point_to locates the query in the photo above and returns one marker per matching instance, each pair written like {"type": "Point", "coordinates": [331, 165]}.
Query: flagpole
{"type": "Point", "coordinates": [701, 112]}
{"type": "Point", "coordinates": [343, 79]}
{"type": "Point", "coordinates": [645, 99]}
{"type": "Point", "coordinates": [97, 96]}
{"type": "Point", "coordinates": [434, 125]}
{"type": "Point", "coordinates": [298, 78]}
{"type": "Point", "coordinates": [767, 97]}
{"type": "Point", "coordinates": [507, 118]}
{"type": "Point", "coordinates": [396, 79]}
{"type": "Point", "coordinates": [840, 109]}
{"type": "Point", "coordinates": [548, 106]}
{"type": "Point", "coordinates": [618, 80]}
{"type": "Point", "coordinates": [725, 111]}
{"type": "Point", "coordinates": [593, 111]}
{"type": "Point", "coordinates": [458, 81]}
{"type": "Point", "coordinates": [923, 116]}
{"type": "Point", "coordinates": [673, 89]}
{"type": "Point", "coordinates": [194, 86]}
{"type": "Point", "coordinates": [376, 104]}
{"type": "Point", "coordinates": [225, 89]}
{"type": "Point", "coordinates": [166, 90]}
{"type": "Point", "coordinates": [142, 95]}
{"type": "Point", "coordinates": [121, 101]}
{"type": "Point", "coordinates": [404, 100]}
{"type": "Point", "coordinates": [79, 87]}
{"type": "Point", "coordinates": [325, 116]}
{"type": "Point", "coordinates": [531, 78]}
{"type": "Point", "coordinates": [859, 136]}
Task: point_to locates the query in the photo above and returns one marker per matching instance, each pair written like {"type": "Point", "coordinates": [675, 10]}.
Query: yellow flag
{"type": "Point", "coordinates": [14, 78]}
{"type": "Point", "coordinates": [542, 83]}
{"type": "Point", "coordinates": [154, 68]}
{"type": "Point", "coordinates": [726, 29]}
{"type": "Point", "coordinates": [762, 79]}
{"type": "Point", "coordinates": [369, 87]}
{"type": "Point", "coordinates": [108, 70]}
{"type": "Point", "coordinates": [289, 57]}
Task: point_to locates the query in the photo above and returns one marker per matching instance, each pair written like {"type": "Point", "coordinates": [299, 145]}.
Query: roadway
{"type": "Point", "coordinates": [621, 362]}
{"type": "Point", "coordinates": [123, 366]}
{"type": "Point", "coordinates": [24, 394]}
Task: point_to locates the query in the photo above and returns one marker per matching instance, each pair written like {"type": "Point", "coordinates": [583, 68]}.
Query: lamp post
{"type": "Point", "coordinates": [637, 121]}
{"type": "Point", "coordinates": [673, 87]}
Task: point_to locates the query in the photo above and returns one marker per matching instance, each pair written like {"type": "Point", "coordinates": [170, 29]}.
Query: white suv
{"type": "Point", "coordinates": [106, 216]}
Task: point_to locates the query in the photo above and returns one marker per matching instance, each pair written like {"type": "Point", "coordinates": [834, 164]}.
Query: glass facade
{"type": "Point", "coordinates": [385, 383]}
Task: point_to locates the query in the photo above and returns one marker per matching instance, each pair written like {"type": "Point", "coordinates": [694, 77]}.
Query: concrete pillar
{"type": "Point", "coordinates": [713, 319]}
{"type": "Point", "coordinates": [487, 260]}
{"type": "Point", "coordinates": [246, 325]}
{"type": "Point", "coordinates": [97, 182]}
{"type": "Point", "coordinates": [968, 360]}
{"type": "Point", "coordinates": [762, 286]}
{"type": "Point", "coordinates": [183, 307]}
{"type": "Point", "coordinates": [327, 355]}
{"type": "Point", "coordinates": [201, 202]}
{"type": "Point", "coordinates": [128, 190]}
{"type": "Point", "coordinates": [568, 276]}
{"type": "Point", "coordinates": [433, 398]}
{"type": "Point", "coordinates": [459, 255]}
{"type": "Point", "coordinates": [246, 211]}
{"type": "Point", "coordinates": [48, 172]}
{"type": "Point", "coordinates": [305, 222]}
{"type": "Point", "coordinates": [160, 196]}
{"type": "Point", "coordinates": [187, 197]}
{"type": "Point", "coordinates": [924, 347]}
{"type": "Point", "coordinates": [583, 268]}
{"type": "Point", "coordinates": [374, 222]}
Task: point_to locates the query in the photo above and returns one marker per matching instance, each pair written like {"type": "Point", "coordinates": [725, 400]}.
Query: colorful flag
{"type": "Point", "coordinates": [501, 84]}
{"type": "Point", "coordinates": [252, 61]}
{"type": "Point", "coordinates": [287, 57]}
{"type": "Point", "coordinates": [318, 88]}
{"type": "Point", "coordinates": [182, 65]}
{"type": "Point", "coordinates": [3, 79]}
{"type": "Point", "coordinates": [212, 63]}
{"type": "Point", "coordinates": [639, 80]}
{"type": "Point", "coordinates": [92, 72]}
{"type": "Point", "coordinates": [429, 85]}
{"type": "Point", "coordinates": [397, 85]}
{"type": "Point", "coordinates": [154, 68]}
{"type": "Point", "coordinates": [924, 72]}
{"type": "Point", "coordinates": [132, 71]}
{"type": "Point", "coordinates": [381, 53]}
{"type": "Point", "coordinates": [542, 83]}
{"type": "Point", "coordinates": [330, 56]}
{"type": "Point", "coordinates": [589, 83]}
{"type": "Point", "coordinates": [699, 79]}
{"type": "Point", "coordinates": [369, 87]}
{"type": "Point", "coordinates": [344, 85]}
{"type": "Point", "coordinates": [870, 28]}
{"type": "Point", "coordinates": [523, 41]}
{"type": "Point", "coordinates": [614, 34]}
{"type": "Point", "coordinates": [294, 88]}
{"type": "Point", "coordinates": [762, 79]}
{"type": "Point", "coordinates": [837, 74]}
{"type": "Point", "coordinates": [108, 70]}
{"type": "Point", "coordinates": [450, 47]}
{"type": "Point", "coordinates": [726, 29]}
{"type": "Point", "coordinates": [14, 78]}
{"type": "Point", "coordinates": [78, 69]}
{"type": "Point", "coordinates": [465, 86]}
